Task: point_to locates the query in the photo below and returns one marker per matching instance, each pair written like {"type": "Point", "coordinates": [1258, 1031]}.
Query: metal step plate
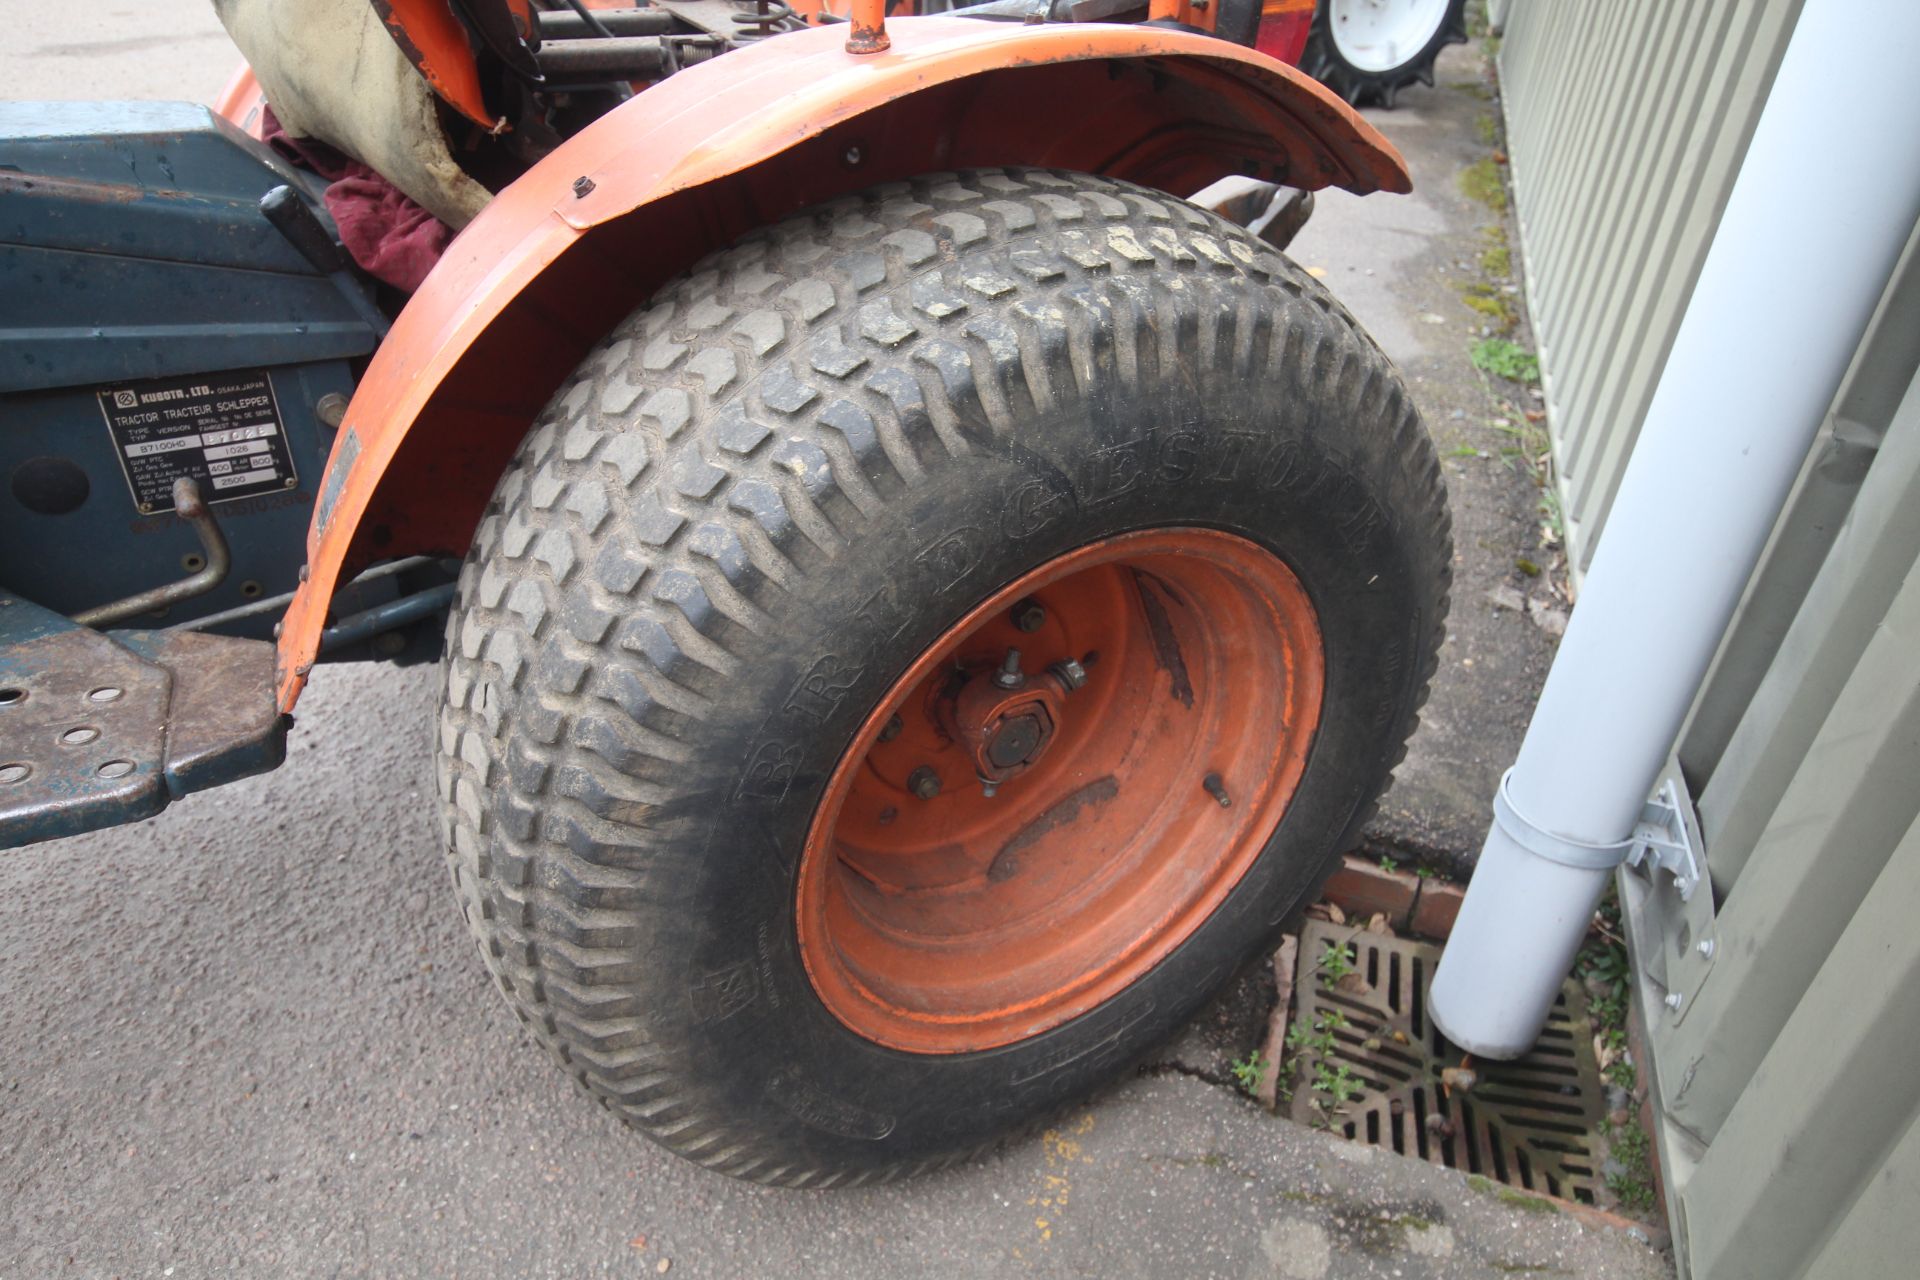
{"type": "Point", "coordinates": [1528, 1123]}
{"type": "Point", "coordinates": [97, 730]}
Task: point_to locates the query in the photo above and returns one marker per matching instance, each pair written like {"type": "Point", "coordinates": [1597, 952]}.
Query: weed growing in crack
{"type": "Point", "coordinates": [1251, 1071]}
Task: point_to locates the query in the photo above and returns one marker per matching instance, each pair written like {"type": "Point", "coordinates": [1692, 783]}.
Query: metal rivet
{"type": "Point", "coordinates": [115, 769]}
{"type": "Point", "coordinates": [12, 773]}
{"type": "Point", "coordinates": [1673, 1000]}
{"type": "Point", "coordinates": [105, 693]}
{"type": "Point", "coordinates": [79, 735]}
{"type": "Point", "coordinates": [891, 729]}
{"type": "Point", "coordinates": [582, 187]}
{"type": "Point", "coordinates": [1706, 948]}
{"type": "Point", "coordinates": [853, 155]}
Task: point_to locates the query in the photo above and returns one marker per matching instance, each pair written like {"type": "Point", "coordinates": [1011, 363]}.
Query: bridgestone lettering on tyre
{"type": "Point", "coordinates": [921, 655]}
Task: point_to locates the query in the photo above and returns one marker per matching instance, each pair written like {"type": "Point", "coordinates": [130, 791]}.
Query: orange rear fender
{"type": "Point", "coordinates": [692, 164]}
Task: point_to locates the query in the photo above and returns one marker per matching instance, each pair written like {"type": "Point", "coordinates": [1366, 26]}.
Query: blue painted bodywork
{"type": "Point", "coordinates": [132, 247]}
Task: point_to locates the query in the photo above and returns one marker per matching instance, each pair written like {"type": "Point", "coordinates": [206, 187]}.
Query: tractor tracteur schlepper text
{"type": "Point", "coordinates": [924, 587]}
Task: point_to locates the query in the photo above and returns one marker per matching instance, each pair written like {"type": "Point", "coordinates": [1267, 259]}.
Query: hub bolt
{"type": "Point", "coordinates": [1029, 615]}
{"type": "Point", "coordinates": [1071, 673]}
{"type": "Point", "coordinates": [1009, 676]}
{"type": "Point", "coordinates": [924, 782]}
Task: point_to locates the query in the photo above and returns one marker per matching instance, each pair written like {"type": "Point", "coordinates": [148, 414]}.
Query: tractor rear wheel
{"type": "Point", "coordinates": [1368, 50]}
{"type": "Point", "coordinates": [921, 655]}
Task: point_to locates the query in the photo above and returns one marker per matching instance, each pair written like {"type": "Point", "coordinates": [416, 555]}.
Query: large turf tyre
{"type": "Point", "coordinates": [1368, 50]}
{"type": "Point", "coordinates": [783, 480]}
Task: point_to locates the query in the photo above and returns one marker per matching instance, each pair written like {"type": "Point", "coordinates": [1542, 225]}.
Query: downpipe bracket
{"type": "Point", "coordinates": [1663, 840]}
{"type": "Point", "coordinates": [1537, 840]}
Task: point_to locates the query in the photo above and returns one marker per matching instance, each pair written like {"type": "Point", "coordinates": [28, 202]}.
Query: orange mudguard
{"type": "Point", "coordinates": [695, 162]}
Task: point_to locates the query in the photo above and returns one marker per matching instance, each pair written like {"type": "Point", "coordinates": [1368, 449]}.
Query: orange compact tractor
{"type": "Point", "coordinates": [924, 587]}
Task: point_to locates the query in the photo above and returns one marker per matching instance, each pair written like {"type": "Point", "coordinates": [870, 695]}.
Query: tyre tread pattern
{"type": "Point", "coordinates": [711, 456]}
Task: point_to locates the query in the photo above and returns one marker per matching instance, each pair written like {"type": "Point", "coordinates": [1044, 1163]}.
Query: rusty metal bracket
{"type": "Point", "coordinates": [188, 505]}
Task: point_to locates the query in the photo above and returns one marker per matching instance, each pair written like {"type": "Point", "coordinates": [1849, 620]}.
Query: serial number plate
{"type": "Point", "coordinates": [222, 430]}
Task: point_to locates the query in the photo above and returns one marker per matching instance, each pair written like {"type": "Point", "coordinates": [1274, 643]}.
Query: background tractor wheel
{"type": "Point", "coordinates": [1368, 50]}
{"type": "Point", "coordinates": [917, 659]}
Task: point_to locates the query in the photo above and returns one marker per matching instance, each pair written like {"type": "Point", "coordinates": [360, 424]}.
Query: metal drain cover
{"type": "Point", "coordinates": [1528, 1123]}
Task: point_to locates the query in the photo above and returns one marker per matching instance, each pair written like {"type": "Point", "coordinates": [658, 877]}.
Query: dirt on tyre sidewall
{"type": "Point", "coordinates": [753, 507]}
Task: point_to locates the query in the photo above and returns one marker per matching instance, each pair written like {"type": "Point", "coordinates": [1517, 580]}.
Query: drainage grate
{"type": "Point", "coordinates": [1528, 1123]}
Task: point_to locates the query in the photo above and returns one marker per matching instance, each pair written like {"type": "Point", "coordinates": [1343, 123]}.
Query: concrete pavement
{"type": "Point", "coordinates": [251, 1038]}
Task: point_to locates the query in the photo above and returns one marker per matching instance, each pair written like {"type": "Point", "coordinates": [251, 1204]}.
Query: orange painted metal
{"type": "Point", "coordinates": [1188, 13]}
{"type": "Point", "coordinates": [966, 921]}
{"type": "Point", "coordinates": [687, 167]}
{"type": "Point", "coordinates": [240, 103]}
{"type": "Point", "coordinates": [436, 44]}
{"type": "Point", "coordinates": [867, 27]}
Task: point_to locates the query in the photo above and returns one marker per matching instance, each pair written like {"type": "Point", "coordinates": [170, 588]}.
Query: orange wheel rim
{"type": "Point", "coordinates": [1078, 835]}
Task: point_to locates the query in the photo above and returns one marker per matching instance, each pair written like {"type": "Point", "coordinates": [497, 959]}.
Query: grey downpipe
{"type": "Point", "coordinates": [1756, 362]}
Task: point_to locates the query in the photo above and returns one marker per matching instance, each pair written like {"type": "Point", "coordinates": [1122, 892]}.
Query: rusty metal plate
{"type": "Point", "coordinates": [82, 726]}
{"type": "Point", "coordinates": [1528, 1123]}
{"type": "Point", "coordinates": [97, 730]}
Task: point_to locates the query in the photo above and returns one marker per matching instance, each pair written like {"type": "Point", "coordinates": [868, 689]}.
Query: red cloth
{"type": "Point", "coordinates": [391, 238]}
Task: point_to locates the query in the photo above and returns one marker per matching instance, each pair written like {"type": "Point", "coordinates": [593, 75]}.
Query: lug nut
{"type": "Point", "coordinates": [891, 729]}
{"type": "Point", "coordinates": [1217, 789]}
{"type": "Point", "coordinates": [924, 782]}
{"type": "Point", "coordinates": [1009, 676]}
{"type": "Point", "coordinates": [1071, 673]}
{"type": "Point", "coordinates": [1028, 615]}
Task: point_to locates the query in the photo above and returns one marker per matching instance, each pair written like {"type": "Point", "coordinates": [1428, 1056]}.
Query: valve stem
{"type": "Point", "coordinates": [1217, 789]}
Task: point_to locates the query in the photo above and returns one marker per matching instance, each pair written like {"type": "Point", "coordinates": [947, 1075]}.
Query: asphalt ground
{"type": "Point", "coordinates": [250, 1037]}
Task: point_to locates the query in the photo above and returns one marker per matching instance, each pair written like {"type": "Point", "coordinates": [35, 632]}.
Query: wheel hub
{"type": "Point", "coordinates": [1059, 790]}
{"type": "Point", "coordinates": [1003, 720]}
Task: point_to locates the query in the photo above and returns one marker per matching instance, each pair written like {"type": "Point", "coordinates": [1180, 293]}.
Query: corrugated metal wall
{"type": "Point", "coordinates": [1626, 121]}
{"type": "Point", "coordinates": [1786, 1082]}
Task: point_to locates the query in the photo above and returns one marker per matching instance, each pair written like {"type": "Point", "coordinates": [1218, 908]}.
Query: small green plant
{"type": "Point", "coordinates": [1552, 518]}
{"type": "Point", "coordinates": [1458, 451]}
{"type": "Point", "coordinates": [1504, 358]}
{"type": "Point", "coordinates": [1387, 864]}
{"type": "Point", "coordinates": [1481, 181]}
{"type": "Point", "coordinates": [1425, 873]}
{"type": "Point", "coordinates": [1632, 1182]}
{"type": "Point", "coordinates": [1487, 127]}
{"type": "Point", "coordinates": [1319, 1040]}
{"type": "Point", "coordinates": [1251, 1071]}
{"type": "Point", "coordinates": [1332, 1082]}
{"type": "Point", "coordinates": [1335, 962]}
{"type": "Point", "coordinates": [1339, 1084]}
